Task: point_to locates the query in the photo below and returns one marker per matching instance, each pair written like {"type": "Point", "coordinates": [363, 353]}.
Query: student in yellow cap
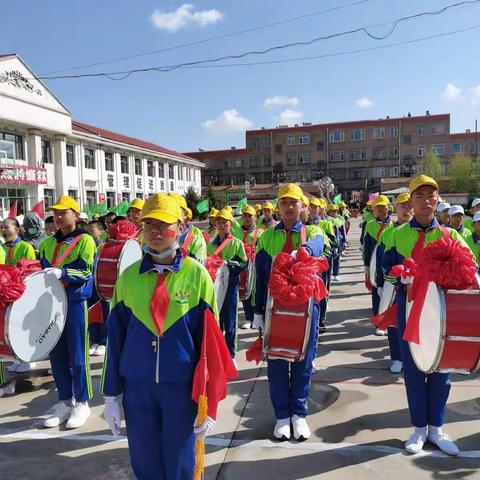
{"type": "Point", "coordinates": [249, 236]}
{"type": "Point", "coordinates": [305, 213]}
{"type": "Point", "coordinates": [69, 255]}
{"type": "Point", "coordinates": [135, 210]}
{"type": "Point", "coordinates": [211, 230]}
{"type": "Point", "coordinates": [258, 209]}
{"type": "Point", "coordinates": [289, 382]}
{"type": "Point", "coordinates": [339, 228]}
{"type": "Point", "coordinates": [231, 250]}
{"type": "Point", "coordinates": [162, 329]}
{"type": "Point", "coordinates": [367, 215]}
{"type": "Point", "coordinates": [267, 220]}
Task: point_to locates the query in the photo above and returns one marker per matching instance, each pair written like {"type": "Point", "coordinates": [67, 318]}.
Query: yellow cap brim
{"type": "Point", "coordinates": [225, 218]}
{"type": "Point", "coordinates": [423, 184]}
{"type": "Point", "coordinates": [381, 204]}
{"type": "Point", "coordinates": [161, 216]}
{"type": "Point", "coordinates": [59, 206]}
{"type": "Point", "coordinates": [295, 196]}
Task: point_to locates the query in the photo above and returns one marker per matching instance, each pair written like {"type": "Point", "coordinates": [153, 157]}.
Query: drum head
{"type": "Point", "coordinates": [387, 298]}
{"type": "Point", "coordinates": [373, 267]}
{"type": "Point", "coordinates": [250, 278]}
{"type": "Point", "coordinates": [35, 322]}
{"type": "Point", "coordinates": [221, 285]}
{"type": "Point", "coordinates": [427, 354]}
{"type": "Point", "coordinates": [131, 252]}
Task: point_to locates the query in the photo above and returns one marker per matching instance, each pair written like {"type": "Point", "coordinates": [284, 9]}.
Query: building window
{"type": "Point", "coordinates": [161, 170]}
{"type": "Point", "coordinates": [422, 150]}
{"type": "Point", "coordinates": [138, 166]}
{"type": "Point", "coordinates": [337, 174]}
{"type": "Point", "coordinates": [379, 133]}
{"type": "Point", "coordinates": [438, 129]}
{"type": "Point", "coordinates": [358, 154]}
{"type": "Point", "coordinates": [253, 162]}
{"type": "Point", "coordinates": [359, 173]}
{"type": "Point", "coordinates": [320, 146]}
{"type": "Point", "coordinates": [180, 172]}
{"type": "Point", "coordinates": [110, 200]}
{"type": "Point", "coordinates": [291, 140]}
{"type": "Point", "coordinates": [378, 172]}
{"type": "Point", "coordinates": [49, 197]}
{"type": "Point", "coordinates": [303, 158]}
{"type": "Point", "coordinates": [46, 151]}
{"type": "Point", "coordinates": [11, 146]}
{"type": "Point", "coordinates": [89, 158]}
{"type": "Point", "coordinates": [267, 161]}
{"type": "Point", "coordinates": [304, 139]}
{"type": "Point", "coordinates": [254, 143]}
{"type": "Point", "coordinates": [109, 162]}
{"type": "Point", "coordinates": [266, 142]}
{"type": "Point", "coordinates": [379, 153]}
{"type": "Point", "coordinates": [337, 155]}
{"type": "Point", "coordinates": [150, 168]}
{"type": "Point", "coordinates": [123, 163]}
{"type": "Point", "coordinates": [162, 185]}
{"type": "Point", "coordinates": [91, 197]}
{"type": "Point", "coordinates": [393, 171]}
{"type": "Point", "coordinates": [407, 139]}
{"type": "Point", "coordinates": [393, 152]}
{"type": "Point", "coordinates": [71, 156]}
{"type": "Point", "coordinates": [73, 194]}
{"type": "Point", "coordinates": [291, 159]}
{"type": "Point", "coordinates": [357, 135]}
{"type": "Point", "coordinates": [458, 148]}
{"type": "Point", "coordinates": [126, 197]}
{"type": "Point", "coordinates": [394, 132]}
{"type": "Point", "coordinates": [438, 149]}
{"type": "Point", "coordinates": [335, 136]}
{"type": "Point", "coordinates": [170, 172]}
{"type": "Point", "coordinates": [172, 186]}
{"type": "Point", "coordinates": [422, 131]}
{"type": "Point", "coordinates": [278, 148]}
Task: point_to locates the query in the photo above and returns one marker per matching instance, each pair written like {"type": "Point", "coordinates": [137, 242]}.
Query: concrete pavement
{"type": "Point", "coordinates": [358, 415]}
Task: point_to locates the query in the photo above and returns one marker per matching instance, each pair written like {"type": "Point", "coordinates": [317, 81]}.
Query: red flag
{"type": "Point", "coordinates": [13, 210]}
{"type": "Point", "coordinates": [39, 208]}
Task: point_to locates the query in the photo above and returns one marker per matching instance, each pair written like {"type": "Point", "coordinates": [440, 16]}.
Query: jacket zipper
{"type": "Point", "coordinates": [157, 368]}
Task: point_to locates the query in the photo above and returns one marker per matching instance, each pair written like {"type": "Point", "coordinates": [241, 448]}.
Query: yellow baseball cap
{"type": "Point", "coordinates": [189, 213]}
{"type": "Point", "coordinates": [402, 198]}
{"type": "Point", "coordinates": [65, 202]}
{"type": "Point", "coordinates": [229, 208]}
{"type": "Point", "coordinates": [225, 213]}
{"type": "Point", "coordinates": [268, 205]}
{"type": "Point", "coordinates": [381, 200]}
{"type": "Point", "coordinates": [213, 212]}
{"type": "Point", "coordinates": [258, 207]}
{"type": "Point", "coordinates": [137, 203]}
{"type": "Point", "coordinates": [370, 202]}
{"type": "Point", "coordinates": [315, 201]}
{"type": "Point", "coordinates": [322, 203]}
{"type": "Point", "coordinates": [420, 181]}
{"type": "Point", "coordinates": [306, 201]}
{"type": "Point", "coordinates": [162, 207]}
{"type": "Point", "coordinates": [290, 190]}
{"type": "Point", "coordinates": [182, 203]}
{"type": "Point", "coordinates": [249, 209]}
{"type": "Point", "coordinates": [343, 204]}
{"type": "Point", "coordinates": [333, 207]}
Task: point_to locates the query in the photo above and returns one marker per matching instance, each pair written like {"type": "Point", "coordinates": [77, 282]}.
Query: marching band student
{"type": "Point", "coordinates": [404, 213]}
{"type": "Point", "coordinates": [5, 387]}
{"type": "Point", "coordinates": [267, 220]}
{"type": "Point", "coordinates": [50, 227]}
{"type": "Point", "coordinates": [249, 236]}
{"type": "Point", "coordinates": [134, 212]}
{"type": "Point", "coordinates": [289, 382]}
{"type": "Point", "coordinates": [231, 250]}
{"type": "Point", "coordinates": [456, 214]}
{"type": "Point", "coordinates": [163, 312]}
{"type": "Point", "coordinates": [473, 210]}
{"type": "Point", "coordinates": [473, 241]}
{"type": "Point", "coordinates": [211, 229]}
{"type": "Point", "coordinates": [95, 230]}
{"type": "Point", "coordinates": [367, 215]}
{"type": "Point", "coordinates": [339, 227]}
{"type": "Point", "coordinates": [69, 255]}
{"type": "Point", "coordinates": [442, 213]}
{"type": "Point", "coordinates": [373, 230]}
{"type": "Point", "coordinates": [427, 394]}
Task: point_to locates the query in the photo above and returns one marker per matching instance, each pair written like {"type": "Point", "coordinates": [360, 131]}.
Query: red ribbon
{"type": "Point", "coordinates": [159, 303]}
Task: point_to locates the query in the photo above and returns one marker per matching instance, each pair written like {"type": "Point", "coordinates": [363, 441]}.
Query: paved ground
{"type": "Point", "coordinates": [358, 416]}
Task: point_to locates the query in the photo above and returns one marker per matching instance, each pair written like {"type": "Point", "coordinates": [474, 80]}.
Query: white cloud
{"type": "Point", "coordinates": [184, 15]}
{"type": "Point", "coordinates": [475, 95]}
{"type": "Point", "coordinates": [364, 102]}
{"type": "Point", "coordinates": [280, 100]}
{"type": "Point", "coordinates": [229, 121]}
{"type": "Point", "coordinates": [451, 93]}
{"type": "Point", "coordinates": [290, 117]}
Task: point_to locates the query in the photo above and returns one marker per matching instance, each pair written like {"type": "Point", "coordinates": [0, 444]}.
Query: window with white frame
{"type": "Point", "coordinates": [438, 149]}
{"type": "Point", "coordinates": [438, 129]}
{"type": "Point", "coordinates": [357, 135]}
{"type": "Point", "coordinates": [379, 153]}
{"type": "Point", "coordinates": [303, 158]}
{"type": "Point", "coordinates": [337, 155]}
{"type": "Point", "coordinates": [337, 174]}
{"type": "Point", "coordinates": [422, 130]}
{"type": "Point", "coordinates": [458, 148]}
{"type": "Point", "coordinates": [393, 151]}
{"type": "Point", "coordinates": [138, 166]}
{"type": "Point", "coordinates": [73, 194]}
{"type": "Point", "coordinates": [124, 163]}
{"type": "Point", "coordinates": [291, 140]}
{"type": "Point", "coordinates": [46, 151]}
{"type": "Point", "coordinates": [89, 157]}
{"type": "Point", "coordinates": [49, 197]}
{"type": "Point", "coordinates": [170, 173]}
{"type": "Point", "coordinates": [109, 162]}
{"type": "Point", "coordinates": [161, 169]}
{"type": "Point", "coordinates": [150, 168]}
{"type": "Point", "coordinates": [125, 196]}
{"type": "Point", "coordinates": [91, 197]}
{"type": "Point", "coordinates": [70, 150]}
{"type": "Point", "coordinates": [253, 162]}
{"type": "Point", "coordinates": [422, 150]}
{"type": "Point", "coordinates": [254, 143]}
{"type": "Point", "coordinates": [180, 172]}
{"type": "Point", "coordinates": [378, 172]}
{"type": "Point", "coordinates": [336, 136]}
{"type": "Point", "coordinates": [11, 146]}
{"type": "Point", "coordinates": [359, 173]}
{"type": "Point", "coordinates": [266, 142]}
{"type": "Point", "coordinates": [379, 133]}
{"type": "Point", "coordinates": [394, 172]}
{"type": "Point", "coordinates": [394, 131]}
{"type": "Point", "coordinates": [291, 159]}
{"type": "Point", "coordinates": [110, 197]}
{"type": "Point", "coordinates": [304, 139]}
{"type": "Point", "coordinates": [358, 154]}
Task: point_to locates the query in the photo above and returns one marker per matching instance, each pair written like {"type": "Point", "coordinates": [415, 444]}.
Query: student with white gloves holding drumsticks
{"type": "Point", "coordinates": [427, 394]}
{"type": "Point", "coordinates": [69, 254]}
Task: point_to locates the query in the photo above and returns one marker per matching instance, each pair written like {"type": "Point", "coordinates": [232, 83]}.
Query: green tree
{"type": "Point", "coordinates": [430, 166]}
{"type": "Point", "coordinates": [213, 200]}
{"type": "Point", "coordinates": [192, 198]}
{"type": "Point", "coordinates": [460, 173]}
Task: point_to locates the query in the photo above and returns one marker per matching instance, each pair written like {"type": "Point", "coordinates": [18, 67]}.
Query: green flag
{"type": "Point", "coordinates": [202, 206]}
{"type": "Point", "coordinates": [121, 209]}
{"type": "Point", "coordinates": [98, 209]}
{"type": "Point", "coordinates": [240, 205]}
{"type": "Point", "coordinates": [86, 208]}
{"type": "Point", "coordinates": [337, 199]}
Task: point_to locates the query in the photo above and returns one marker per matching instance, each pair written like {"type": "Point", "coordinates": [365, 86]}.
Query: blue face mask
{"type": "Point", "coordinates": [162, 255]}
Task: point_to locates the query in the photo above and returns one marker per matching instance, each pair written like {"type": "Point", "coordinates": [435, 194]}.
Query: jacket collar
{"type": "Point", "coordinates": [414, 224]}
{"type": "Point", "coordinates": [296, 228]}
{"type": "Point", "coordinates": [148, 265]}
{"type": "Point", "coordinates": [70, 236]}
{"type": "Point", "coordinates": [12, 244]}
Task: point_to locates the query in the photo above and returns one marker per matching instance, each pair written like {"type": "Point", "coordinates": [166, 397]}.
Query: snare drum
{"type": "Point", "coordinates": [449, 331]}
{"type": "Point", "coordinates": [113, 258]}
{"type": "Point", "coordinates": [221, 285]}
{"type": "Point", "coordinates": [287, 329]}
{"type": "Point", "coordinates": [32, 325]}
{"type": "Point", "coordinates": [246, 281]}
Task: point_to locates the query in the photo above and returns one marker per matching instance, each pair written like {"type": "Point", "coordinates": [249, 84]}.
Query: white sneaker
{"type": "Point", "coordinates": [380, 333]}
{"type": "Point", "coordinates": [9, 389]}
{"type": "Point", "coordinates": [58, 414]}
{"type": "Point", "coordinates": [301, 431]}
{"type": "Point", "coordinates": [442, 441]}
{"type": "Point", "coordinates": [314, 368]}
{"type": "Point", "coordinates": [416, 441]}
{"type": "Point", "coordinates": [13, 367]}
{"type": "Point", "coordinates": [396, 366]}
{"type": "Point", "coordinates": [79, 415]}
{"type": "Point", "coordinates": [92, 349]}
{"type": "Point", "coordinates": [99, 351]}
{"type": "Point", "coordinates": [24, 367]}
{"type": "Point", "coordinates": [336, 278]}
{"type": "Point", "coordinates": [246, 326]}
{"type": "Point", "coordinates": [282, 429]}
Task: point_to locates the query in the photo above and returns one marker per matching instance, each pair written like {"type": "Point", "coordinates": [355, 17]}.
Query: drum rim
{"type": "Point", "coordinates": [64, 304]}
{"type": "Point", "coordinates": [216, 298]}
{"type": "Point", "coordinates": [373, 258]}
{"type": "Point", "coordinates": [249, 281]}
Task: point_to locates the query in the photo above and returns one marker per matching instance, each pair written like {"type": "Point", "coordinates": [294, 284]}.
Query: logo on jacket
{"type": "Point", "coordinates": [181, 296]}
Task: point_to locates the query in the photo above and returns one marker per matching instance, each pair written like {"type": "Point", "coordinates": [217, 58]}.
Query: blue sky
{"type": "Point", "coordinates": [211, 107]}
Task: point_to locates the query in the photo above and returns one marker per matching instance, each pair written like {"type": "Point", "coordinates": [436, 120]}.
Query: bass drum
{"type": "Point", "coordinates": [221, 285]}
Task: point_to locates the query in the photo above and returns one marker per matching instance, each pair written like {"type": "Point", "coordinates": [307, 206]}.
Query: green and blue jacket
{"type": "Point", "coordinates": [473, 241]}
{"type": "Point", "coordinates": [197, 248]}
{"type": "Point", "coordinates": [16, 250]}
{"type": "Point", "coordinates": [234, 254]}
{"type": "Point", "coordinates": [372, 237]}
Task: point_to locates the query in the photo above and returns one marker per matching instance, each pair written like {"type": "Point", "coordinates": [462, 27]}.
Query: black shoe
{"type": "Point", "coordinates": [322, 328]}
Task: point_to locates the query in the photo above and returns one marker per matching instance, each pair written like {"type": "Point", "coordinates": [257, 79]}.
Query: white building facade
{"type": "Point", "coordinates": [44, 153]}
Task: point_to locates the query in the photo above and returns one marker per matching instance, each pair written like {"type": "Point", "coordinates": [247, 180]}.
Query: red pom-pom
{"type": "Point", "coordinates": [122, 230]}
{"type": "Point", "coordinates": [27, 267]}
{"type": "Point", "coordinates": [12, 284]}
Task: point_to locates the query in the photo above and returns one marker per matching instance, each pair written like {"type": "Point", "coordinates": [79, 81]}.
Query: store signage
{"type": "Point", "coordinates": [23, 175]}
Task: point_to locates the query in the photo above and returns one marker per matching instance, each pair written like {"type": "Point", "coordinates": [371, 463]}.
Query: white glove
{"type": "Point", "coordinates": [379, 291]}
{"type": "Point", "coordinates": [406, 280]}
{"type": "Point", "coordinates": [111, 413]}
{"type": "Point", "coordinates": [259, 320]}
{"type": "Point", "coordinates": [294, 254]}
{"type": "Point", "coordinates": [54, 271]}
{"type": "Point", "coordinates": [204, 429]}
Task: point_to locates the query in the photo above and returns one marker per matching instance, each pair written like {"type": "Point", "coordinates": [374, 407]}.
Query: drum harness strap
{"type": "Point", "coordinates": [56, 262]}
{"type": "Point", "coordinates": [188, 240]}
{"type": "Point", "coordinates": [288, 247]}
{"type": "Point", "coordinates": [225, 242]}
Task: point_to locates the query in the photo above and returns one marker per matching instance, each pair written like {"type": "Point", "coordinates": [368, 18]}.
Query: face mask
{"type": "Point", "coordinates": [162, 255]}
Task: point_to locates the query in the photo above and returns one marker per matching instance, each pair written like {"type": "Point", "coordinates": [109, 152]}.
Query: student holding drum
{"type": "Point", "coordinates": [473, 241]}
{"type": "Point", "coordinates": [289, 381]}
{"type": "Point", "coordinates": [427, 394]}
{"type": "Point", "coordinates": [69, 255]}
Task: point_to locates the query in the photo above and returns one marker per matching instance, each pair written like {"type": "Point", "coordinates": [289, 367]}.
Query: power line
{"type": "Point", "coordinates": [122, 75]}
{"type": "Point", "coordinates": [206, 40]}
